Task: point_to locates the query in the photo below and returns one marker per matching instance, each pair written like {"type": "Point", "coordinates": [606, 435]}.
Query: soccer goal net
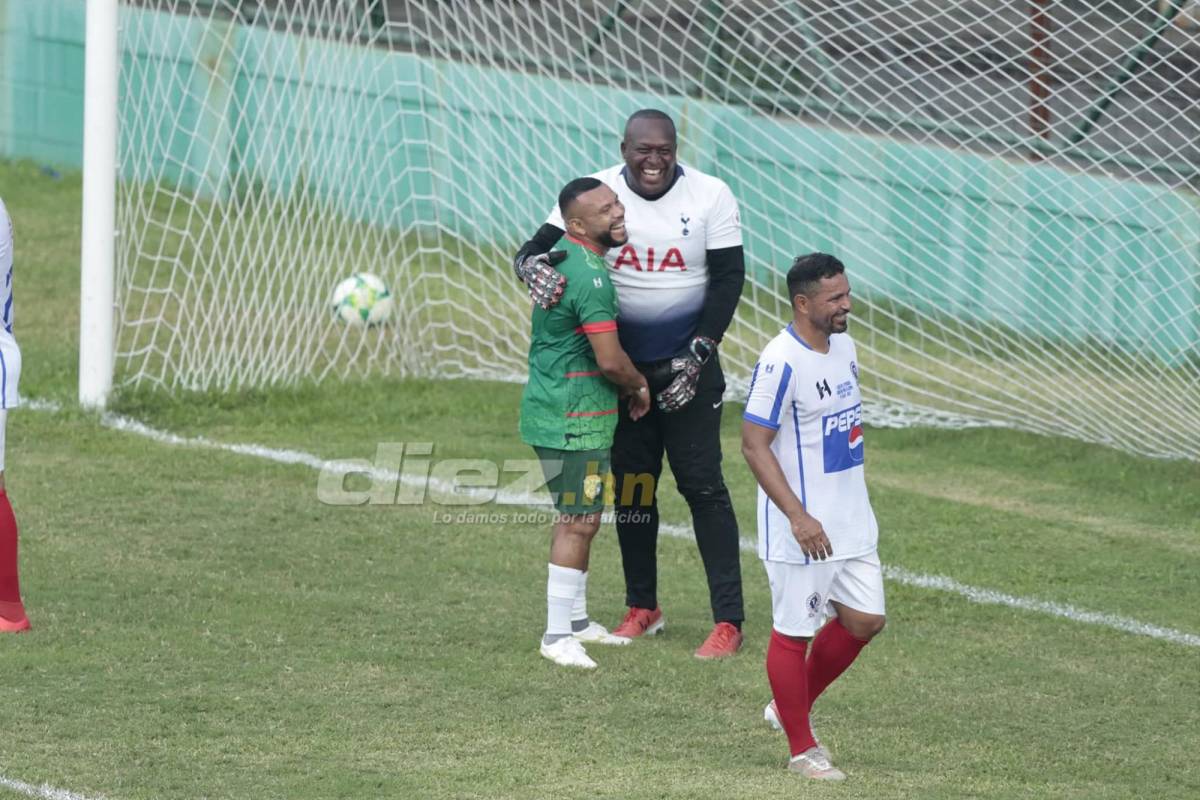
{"type": "Point", "coordinates": [1012, 185]}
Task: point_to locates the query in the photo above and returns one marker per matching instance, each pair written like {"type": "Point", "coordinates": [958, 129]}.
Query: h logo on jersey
{"type": "Point", "coordinates": [823, 389]}
{"type": "Point", "coordinates": [685, 221]}
{"type": "Point", "coordinates": [842, 436]}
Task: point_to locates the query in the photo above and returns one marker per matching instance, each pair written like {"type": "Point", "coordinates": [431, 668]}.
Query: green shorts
{"type": "Point", "coordinates": [576, 478]}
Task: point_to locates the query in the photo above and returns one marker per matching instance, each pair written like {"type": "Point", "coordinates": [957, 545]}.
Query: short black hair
{"type": "Point", "coordinates": [566, 198]}
{"type": "Point", "coordinates": [649, 113]}
{"type": "Point", "coordinates": [808, 270]}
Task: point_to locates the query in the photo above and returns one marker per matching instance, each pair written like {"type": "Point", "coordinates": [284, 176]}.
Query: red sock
{"type": "Point", "coordinates": [833, 650]}
{"type": "Point", "coordinates": [10, 585]}
{"type": "Point", "coordinates": [785, 671]}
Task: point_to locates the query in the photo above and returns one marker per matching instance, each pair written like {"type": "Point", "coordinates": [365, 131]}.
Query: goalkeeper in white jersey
{"type": "Point", "coordinates": [12, 611]}
{"type": "Point", "coordinates": [802, 436]}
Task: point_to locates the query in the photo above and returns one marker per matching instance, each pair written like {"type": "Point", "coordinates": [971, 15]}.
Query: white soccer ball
{"type": "Point", "coordinates": [362, 299]}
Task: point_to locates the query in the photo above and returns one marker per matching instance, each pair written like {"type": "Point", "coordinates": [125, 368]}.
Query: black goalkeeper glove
{"type": "Point", "coordinates": [686, 369]}
{"type": "Point", "coordinates": [545, 284]}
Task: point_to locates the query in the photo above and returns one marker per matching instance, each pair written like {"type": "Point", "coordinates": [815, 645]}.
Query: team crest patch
{"type": "Point", "coordinates": [813, 604]}
{"type": "Point", "coordinates": [591, 487]}
{"type": "Point", "coordinates": [854, 371]}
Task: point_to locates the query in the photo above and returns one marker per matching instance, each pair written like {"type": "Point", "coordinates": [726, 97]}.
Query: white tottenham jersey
{"type": "Point", "coordinates": [661, 273]}
{"type": "Point", "coordinates": [6, 268]}
{"type": "Point", "coordinates": [813, 401]}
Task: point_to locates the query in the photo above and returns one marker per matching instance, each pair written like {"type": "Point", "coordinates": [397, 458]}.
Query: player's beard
{"type": "Point", "coordinates": [607, 239]}
{"type": "Point", "coordinates": [835, 324]}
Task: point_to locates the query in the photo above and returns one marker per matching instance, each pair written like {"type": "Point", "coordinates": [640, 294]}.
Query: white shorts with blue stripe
{"type": "Point", "coordinates": [10, 374]}
{"type": "Point", "coordinates": [10, 370]}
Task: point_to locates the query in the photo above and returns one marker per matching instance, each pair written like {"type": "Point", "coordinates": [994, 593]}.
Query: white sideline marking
{"type": "Point", "coordinates": [36, 404]}
{"type": "Point", "coordinates": [45, 791]}
{"type": "Point", "coordinates": [939, 583]}
{"type": "Point", "coordinates": [992, 597]}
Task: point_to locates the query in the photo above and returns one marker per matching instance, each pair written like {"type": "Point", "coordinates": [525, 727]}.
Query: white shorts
{"type": "Point", "coordinates": [10, 369]}
{"type": "Point", "coordinates": [801, 594]}
{"type": "Point", "coordinates": [10, 374]}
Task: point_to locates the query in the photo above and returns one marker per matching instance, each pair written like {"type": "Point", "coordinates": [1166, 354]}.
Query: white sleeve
{"type": "Point", "coordinates": [556, 219]}
{"type": "Point", "coordinates": [6, 240]}
{"type": "Point", "coordinates": [770, 390]}
{"type": "Point", "coordinates": [724, 222]}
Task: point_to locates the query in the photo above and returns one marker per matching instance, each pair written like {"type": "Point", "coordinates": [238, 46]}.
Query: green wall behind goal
{"type": "Point", "coordinates": [41, 81]}
{"type": "Point", "coordinates": [934, 229]}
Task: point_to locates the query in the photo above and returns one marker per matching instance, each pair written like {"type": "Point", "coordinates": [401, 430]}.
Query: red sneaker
{"type": "Point", "coordinates": [14, 625]}
{"type": "Point", "coordinates": [640, 622]}
{"type": "Point", "coordinates": [725, 640]}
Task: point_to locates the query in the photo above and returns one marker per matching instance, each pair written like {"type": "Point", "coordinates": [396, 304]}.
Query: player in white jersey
{"type": "Point", "coordinates": [663, 285]}
{"type": "Point", "coordinates": [802, 436]}
{"type": "Point", "coordinates": [678, 281]}
{"type": "Point", "coordinates": [12, 610]}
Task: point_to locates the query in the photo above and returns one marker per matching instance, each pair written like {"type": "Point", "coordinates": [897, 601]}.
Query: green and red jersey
{"type": "Point", "coordinates": [568, 404]}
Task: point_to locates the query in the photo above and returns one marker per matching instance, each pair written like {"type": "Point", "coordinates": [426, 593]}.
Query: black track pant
{"type": "Point", "coordinates": [691, 438]}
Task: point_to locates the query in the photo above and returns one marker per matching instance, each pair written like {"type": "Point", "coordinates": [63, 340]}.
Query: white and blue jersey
{"type": "Point", "coordinates": [661, 273]}
{"type": "Point", "coordinates": [10, 354]}
{"type": "Point", "coordinates": [812, 399]}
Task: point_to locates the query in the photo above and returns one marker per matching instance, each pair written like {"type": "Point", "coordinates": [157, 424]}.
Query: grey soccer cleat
{"type": "Point", "coordinates": [813, 764]}
{"type": "Point", "coordinates": [771, 715]}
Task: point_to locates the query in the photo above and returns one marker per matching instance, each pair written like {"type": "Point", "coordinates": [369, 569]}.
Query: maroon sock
{"type": "Point", "coordinates": [833, 650]}
{"type": "Point", "coordinates": [10, 585]}
{"type": "Point", "coordinates": [786, 673]}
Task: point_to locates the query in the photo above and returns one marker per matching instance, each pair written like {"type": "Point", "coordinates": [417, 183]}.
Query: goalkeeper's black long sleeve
{"type": "Point", "coordinates": [726, 275]}
{"type": "Point", "coordinates": [546, 237]}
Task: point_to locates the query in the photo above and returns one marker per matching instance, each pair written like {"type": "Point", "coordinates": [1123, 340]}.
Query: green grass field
{"type": "Point", "coordinates": [204, 627]}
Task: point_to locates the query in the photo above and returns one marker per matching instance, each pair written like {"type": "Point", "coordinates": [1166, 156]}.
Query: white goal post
{"type": "Point", "coordinates": [96, 341]}
{"type": "Point", "coordinates": [1013, 185]}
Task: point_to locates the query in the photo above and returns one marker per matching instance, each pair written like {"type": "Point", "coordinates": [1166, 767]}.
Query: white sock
{"type": "Point", "coordinates": [562, 585]}
{"type": "Point", "coordinates": [579, 608]}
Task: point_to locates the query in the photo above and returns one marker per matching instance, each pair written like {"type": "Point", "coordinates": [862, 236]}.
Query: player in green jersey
{"type": "Point", "coordinates": [578, 375]}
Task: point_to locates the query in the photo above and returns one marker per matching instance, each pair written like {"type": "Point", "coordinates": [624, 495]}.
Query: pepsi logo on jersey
{"type": "Point", "coordinates": [855, 439]}
{"type": "Point", "coordinates": [842, 435]}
